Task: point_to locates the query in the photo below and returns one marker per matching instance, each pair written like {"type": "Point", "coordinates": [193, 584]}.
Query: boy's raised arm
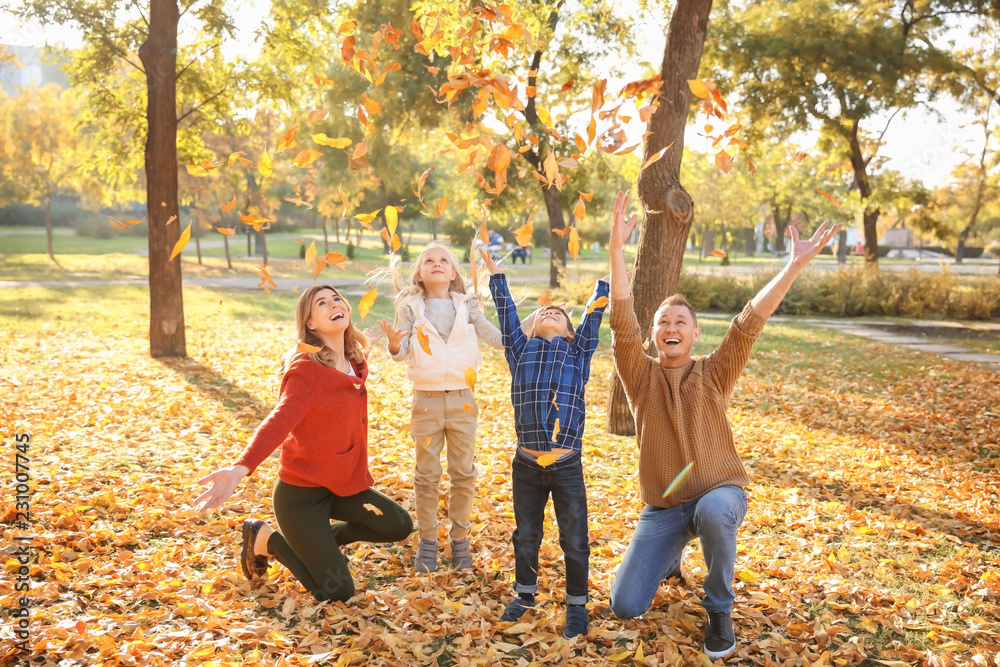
{"type": "Point", "coordinates": [510, 324]}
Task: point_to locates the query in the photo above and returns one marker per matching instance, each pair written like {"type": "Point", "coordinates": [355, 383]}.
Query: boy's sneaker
{"type": "Point", "coordinates": [461, 554]}
{"type": "Point", "coordinates": [576, 621]}
{"type": "Point", "coordinates": [426, 560]}
{"type": "Point", "coordinates": [720, 640]}
{"type": "Point", "coordinates": [515, 610]}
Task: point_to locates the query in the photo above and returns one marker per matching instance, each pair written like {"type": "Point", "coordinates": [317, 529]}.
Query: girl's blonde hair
{"type": "Point", "coordinates": [356, 344]}
{"type": "Point", "coordinates": [414, 288]}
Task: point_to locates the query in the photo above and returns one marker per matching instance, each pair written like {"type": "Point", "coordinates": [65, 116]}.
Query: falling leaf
{"type": "Point", "coordinates": [366, 302]}
{"type": "Point", "coordinates": [287, 140]}
{"type": "Point", "coordinates": [229, 207]}
{"type": "Point", "coordinates": [117, 223]}
{"type": "Point", "coordinates": [424, 340]}
{"type": "Point", "coordinates": [298, 202]}
{"type": "Point", "coordinates": [751, 168]}
{"type": "Point", "coordinates": [336, 259]}
{"type": "Point", "coordinates": [306, 348]}
{"type": "Point", "coordinates": [574, 242]}
{"type": "Point", "coordinates": [545, 298]}
{"type": "Point", "coordinates": [311, 254]}
{"type": "Point", "coordinates": [568, 85]}
{"type": "Point", "coordinates": [371, 508]}
{"type": "Point", "coordinates": [317, 79]}
{"type": "Point", "coordinates": [599, 302]}
{"type": "Point", "coordinates": [396, 243]}
{"type": "Point", "coordinates": [441, 206]}
{"type": "Point", "coordinates": [555, 430]}
{"type": "Point", "coordinates": [306, 157]}
{"type": "Point", "coordinates": [228, 231]}
{"type": "Point", "coordinates": [551, 170]}
{"type": "Point", "coordinates": [580, 210]}
{"type": "Point", "coordinates": [835, 202]}
{"type": "Point", "coordinates": [171, 219]}
{"type": "Point", "coordinates": [677, 480]}
{"type": "Point", "coordinates": [546, 460]}
{"type": "Point", "coordinates": [484, 235]}
{"type": "Point", "coordinates": [265, 166]}
{"type": "Point", "coordinates": [317, 115]}
{"type": "Point", "coordinates": [801, 155]}
{"type": "Point", "coordinates": [470, 378]}
{"type": "Point", "coordinates": [656, 156]}
{"type": "Point", "coordinates": [699, 88]}
{"type": "Point", "coordinates": [233, 157]}
{"type": "Point", "coordinates": [544, 117]}
{"type": "Point", "coordinates": [196, 170]}
{"type": "Point", "coordinates": [718, 253]}
{"type": "Point", "coordinates": [366, 218]}
{"type": "Point", "coordinates": [323, 140]}
{"type": "Point", "coordinates": [181, 242]}
{"type": "Point", "coordinates": [391, 219]}
{"type": "Point", "coordinates": [522, 235]}
{"type": "Point", "coordinates": [724, 161]}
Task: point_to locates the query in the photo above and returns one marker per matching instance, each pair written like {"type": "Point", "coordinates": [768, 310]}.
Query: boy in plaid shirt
{"type": "Point", "coordinates": [549, 367]}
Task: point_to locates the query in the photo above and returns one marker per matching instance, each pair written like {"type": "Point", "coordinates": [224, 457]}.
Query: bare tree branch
{"type": "Point", "coordinates": [193, 109]}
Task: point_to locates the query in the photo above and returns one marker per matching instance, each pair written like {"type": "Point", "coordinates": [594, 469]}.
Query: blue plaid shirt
{"type": "Point", "coordinates": [547, 378]}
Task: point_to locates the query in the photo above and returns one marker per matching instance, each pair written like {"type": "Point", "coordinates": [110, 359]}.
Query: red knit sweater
{"type": "Point", "coordinates": [321, 423]}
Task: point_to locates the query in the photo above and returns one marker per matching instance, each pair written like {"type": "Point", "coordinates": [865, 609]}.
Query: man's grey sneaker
{"type": "Point", "coordinates": [576, 621]}
{"type": "Point", "coordinates": [515, 610]}
{"type": "Point", "coordinates": [426, 560]}
{"type": "Point", "coordinates": [461, 554]}
{"type": "Point", "coordinates": [720, 640]}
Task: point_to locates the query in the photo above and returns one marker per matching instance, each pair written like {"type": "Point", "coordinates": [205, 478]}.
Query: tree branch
{"type": "Point", "coordinates": [193, 60]}
{"type": "Point", "coordinates": [193, 109]}
{"type": "Point", "coordinates": [181, 15]}
{"type": "Point", "coordinates": [878, 142]}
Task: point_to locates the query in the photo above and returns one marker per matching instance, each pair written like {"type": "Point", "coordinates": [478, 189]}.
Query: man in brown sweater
{"type": "Point", "coordinates": [679, 404]}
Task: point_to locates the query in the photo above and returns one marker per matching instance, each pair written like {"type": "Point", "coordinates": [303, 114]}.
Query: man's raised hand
{"type": "Point", "coordinates": [620, 230]}
{"type": "Point", "coordinates": [804, 250]}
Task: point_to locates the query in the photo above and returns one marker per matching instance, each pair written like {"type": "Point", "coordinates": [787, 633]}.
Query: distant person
{"type": "Point", "coordinates": [435, 304]}
{"type": "Point", "coordinates": [519, 252]}
{"type": "Point", "coordinates": [679, 404]}
{"type": "Point", "coordinates": [549, 367]}
{"type": "Point", "coordinates": [321, 425]}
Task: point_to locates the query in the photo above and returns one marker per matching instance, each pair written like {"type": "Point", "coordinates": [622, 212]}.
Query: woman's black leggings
{"type": "Point", "coordinates": [309, 545]}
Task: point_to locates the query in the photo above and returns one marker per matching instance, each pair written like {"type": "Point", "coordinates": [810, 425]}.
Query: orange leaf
{"type": "Point", "coordinates": [181, 242]}
{"type": "Point", "coordinates": [306, 157]}
{"type": "Point", "coordinates": [599, 302]}
{"type": "Point", "coordinates": [170, 219]}
{"type": "Point", "coordinates": [574, 242]}
{"type": "Point", "coordinates": [229, 207]}
{"type": "Point", "coordinates": [580, 209]}
{"type": "Point", "coordinates": [371, 508]}
{"type": "Point", "coordinates": [396, 243]}
{"type": "Point", "coordinates": [317, 265]}
{"type": "Point", "coordinates": [195, 170]}
{"type": "Point", "coordinates": [546, 460]}
{"type": "Point", "coordinates": [483, 234]}
{"type": "Point", "coordinates": [470, 378]}
{"type": "Point", "coordinates": [318, 114]}
{"type": "Point", "coordinates": [835, 202]}
{"type": "Point", "coordinates": [226, 230]}
{"type": "Point", "coordinates": [117, 223]}
{"type": "Point", "coordinates": [656, 156]}
{"type": "Point", "coordinates": [562, 232]}
{"type": "Point", "coordinates": [287, 140]}
{"type": "Point", "coordinates": [724, 161]}
{"type": "Point", "coordinates": [466, 406]}
{"type": "Point", "coordinates": [441, 206]}
{"type": "Point", "coordinates": [347, 49]}
{"type": "Point", "coordinates": [424, 340]}
{"type": "Point", "coordinates": [718, 253]}
{"type": "Point", "coordinates": [523, 234]}
{"type": "Point", "coordinates": [336, 259]}
{"type": "Point", "coordinates": [801, 155]}
{"type": "Point", "coordinates": [545, 298]}
{"type": "Point", "coordinates": [233, 157]}
{"type": "Point", "coordinates": [366, 302]}
{"type": "Point", "coordinates": [566, 86]}
{"type": "Point", "coordinates": [306, 348]}
{"type": "Point", "coordinates": [699, 88]}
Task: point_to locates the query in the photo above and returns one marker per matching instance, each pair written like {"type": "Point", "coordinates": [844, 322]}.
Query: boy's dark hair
{"type": "Point", "coordinates": [678, 300]}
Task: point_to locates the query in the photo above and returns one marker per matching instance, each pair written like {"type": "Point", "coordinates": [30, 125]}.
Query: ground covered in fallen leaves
{"type": "Point", "coordinates": [873, 535]}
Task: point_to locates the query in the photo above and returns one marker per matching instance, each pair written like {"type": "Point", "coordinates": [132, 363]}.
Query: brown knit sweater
{"type": "Point", "coordinates": [680, 413]}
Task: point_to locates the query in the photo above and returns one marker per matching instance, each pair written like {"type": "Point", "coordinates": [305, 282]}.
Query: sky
{"type": "Point", "coordinates": [918, 143]}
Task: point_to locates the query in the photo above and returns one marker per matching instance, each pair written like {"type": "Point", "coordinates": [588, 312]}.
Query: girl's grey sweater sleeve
{"type": "Point", "coordinates": [487, 333]}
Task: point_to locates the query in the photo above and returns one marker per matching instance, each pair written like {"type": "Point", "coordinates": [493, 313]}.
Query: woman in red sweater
{"type": "Point", "coordinates": [321, 424]}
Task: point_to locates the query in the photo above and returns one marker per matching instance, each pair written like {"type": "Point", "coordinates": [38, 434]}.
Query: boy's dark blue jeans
{"type": "Point", "coordinates": [532, 485]}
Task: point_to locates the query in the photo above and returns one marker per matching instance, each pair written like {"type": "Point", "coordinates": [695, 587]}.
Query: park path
{"type": "Point", "coordinates": [912, 334]}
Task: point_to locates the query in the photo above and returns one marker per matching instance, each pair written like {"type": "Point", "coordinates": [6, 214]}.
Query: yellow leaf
{"type": "Point", "coordinates": [323, 140]}
{"type": "Point", "coordinates": [599, 302]}
{"type": "Point", "coordinates": [617, 657]}
{"type": "Point", "coordinates": [265, 166]}
{"type": "Point", "coordinates": [396, 243]}
{"type": "Point", "coordinates": [229, 207]}
{"type": "Point", "coordinates": [311, 253]}
{"type": "Point", "coordinates": [233, 157]}
{"type": "Point", "coordinates": [523, 234]}
{"type": "Point", "coordinates": [547, 459]}
{"type": "Point", "coordinates": [470, 378]}
{"type": "Point", "coordinates": [391, 219]}
{"type": "Point", "coordinates": [306, 157]}
{"type": "Point", "coordinates": [366, 218]}
{"type": "Point", "coordinates": [574, 242]}
{"type": "Point", "coordinates": [182, 241]}
{"type": "Point", "coordinates": [308, 349]}
{"type": "Point", "coordinates": [287, 140]}
{"type": "Point", "coordinates": [226, 230]}
{"type": "Point", "coordinates": [555, 430]}
{"type": "Point", "coordinates": [425, 342]}
{"type": "Point", "coordinates": [366, 302]}
{"type": "Point", "coordinates": [543, 115]}
{"type": "Point", "coordinates": [699, 88]}
{"type": "Point", "coordinates": [195, 170]}
{"type": "Point", "coordinates": [747, 576]}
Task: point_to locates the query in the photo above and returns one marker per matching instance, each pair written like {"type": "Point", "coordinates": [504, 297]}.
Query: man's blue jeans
{"type": "Point", "coordinates": [658, 543]}
{"type": "Point", "coordinates": [532, 485]}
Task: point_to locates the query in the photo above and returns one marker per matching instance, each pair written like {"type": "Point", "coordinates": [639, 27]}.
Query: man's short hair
{"type": "Point", "coordinates": [678, 300]}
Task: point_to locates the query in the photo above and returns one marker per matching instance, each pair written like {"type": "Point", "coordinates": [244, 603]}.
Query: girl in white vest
{"type": "Point", "coordinates": [437, 331]}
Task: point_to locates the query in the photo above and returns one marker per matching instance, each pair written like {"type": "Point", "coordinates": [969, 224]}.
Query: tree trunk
{"type": "Point", "coordinates": [166, 299]}
{"type": "Point", "coordinates": [872, 212]}
{"type": "Point", "coordinates": [842, 246]}
{"type": "Point", "coordinates": [197, 238]}
{"type": "Point", "coordinates": [48, 227]}
{"type": "Point", "coordinates": [229, 261]}
{"type": "Point", "coordinates": [667, 207]}
{"type": "Point", "coordinates": [980, 191]}
{"type": "Point", "coordinates": [748, 241]}
{"type": "Point", "coordinates": [326, 236]}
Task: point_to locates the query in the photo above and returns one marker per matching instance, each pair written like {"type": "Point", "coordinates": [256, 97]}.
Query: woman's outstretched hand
{"type": "Point", "coordinates": [223, 483]}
